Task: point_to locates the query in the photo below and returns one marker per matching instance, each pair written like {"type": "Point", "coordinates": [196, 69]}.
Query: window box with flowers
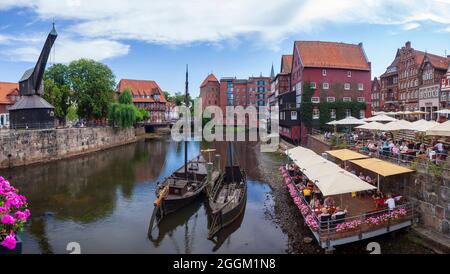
{"type": "Point", "coordinates": [14, 214]}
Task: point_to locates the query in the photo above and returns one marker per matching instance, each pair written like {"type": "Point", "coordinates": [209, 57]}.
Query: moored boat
{"type": "Point", "coordinates": [228, 197]}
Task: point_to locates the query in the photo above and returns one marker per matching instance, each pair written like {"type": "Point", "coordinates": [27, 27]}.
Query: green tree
{"type": "Point", "coordinates": [72, 113]}
{"type": "Point", "coordinates": [306, 107]}
{"type": "Point", "coordinates": [93, 85]}
{"type": "Point", "coordinates": [57, 90]}
{"type": "Point", "coordinates": [123, 113]}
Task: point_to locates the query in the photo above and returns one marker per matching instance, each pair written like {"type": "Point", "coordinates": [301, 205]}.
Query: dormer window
{"type": "Point", "coordinates": [349, 73]}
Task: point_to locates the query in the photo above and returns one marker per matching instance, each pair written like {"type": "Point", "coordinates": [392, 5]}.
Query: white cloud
{"type": "Point", "coordinates": [66, 49]}
{"type": "Point", "coordinates": [411, 26]}
{"type": "Point", "coordinates": [177, 22]}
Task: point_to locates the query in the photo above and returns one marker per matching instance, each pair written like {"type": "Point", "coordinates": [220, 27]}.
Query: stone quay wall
{"type": "Point", "coordinates": [23, 147]}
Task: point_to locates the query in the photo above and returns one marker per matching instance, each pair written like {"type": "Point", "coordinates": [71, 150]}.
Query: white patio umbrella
{"type": "Point", "coordinates": [423, 125]}
{"type": "Point", "coordinates": [350, 120]}
{"type": "Point", "coordinates": [341, 182]}
{"type": "Point", "coordinates": [443, 111]}
{"type": "Point", "coordinates": [397, 125]}
{"type": "Point", "coordinates": [371, 126]}
{"type": "Point", "coordinates": [440, 130]}
{"type": "Point", "coordinates": [380, 118]}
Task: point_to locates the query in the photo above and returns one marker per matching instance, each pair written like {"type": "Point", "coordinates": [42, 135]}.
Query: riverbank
{"type": "Point", "coordinates": [26, 147]}
{"type": "Point", "coordinates": [300, 238]}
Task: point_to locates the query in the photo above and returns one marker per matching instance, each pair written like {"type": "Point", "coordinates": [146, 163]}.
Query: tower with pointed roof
{"type": "Point", "coordinates": [210, 91]}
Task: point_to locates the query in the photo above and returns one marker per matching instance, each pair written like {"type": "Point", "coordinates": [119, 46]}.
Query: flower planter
{"type": "Point", "coordinates": [17, 250]}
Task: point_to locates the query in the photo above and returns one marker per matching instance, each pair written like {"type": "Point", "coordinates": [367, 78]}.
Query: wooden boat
{"type": "Point", "coordinates": [180, 189]}
{"type": "Point", "coordinates": [228, 197]}
{"type": "Point", "coordinates": [225, 233]}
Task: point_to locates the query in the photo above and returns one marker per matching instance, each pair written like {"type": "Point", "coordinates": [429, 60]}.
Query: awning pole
{"type": "Point", "coordinates": [378, 183]}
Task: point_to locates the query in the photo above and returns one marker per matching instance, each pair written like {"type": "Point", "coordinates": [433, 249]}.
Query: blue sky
{"type": "Point", "coordinates": [154, 40]}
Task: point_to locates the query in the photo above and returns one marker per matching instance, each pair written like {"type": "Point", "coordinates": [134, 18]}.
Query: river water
{"type": "Point", "coordinates": [103, 201]}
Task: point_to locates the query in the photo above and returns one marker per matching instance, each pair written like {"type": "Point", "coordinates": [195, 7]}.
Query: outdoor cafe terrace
{"type": "Point", "coordinates": [340, 207]}
{"type": "Point", "coordinates": [417, 145]}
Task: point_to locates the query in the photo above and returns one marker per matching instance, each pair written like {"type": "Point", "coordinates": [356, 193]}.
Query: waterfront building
{"type": "Point", "coordinates": [389, 87]}
{"type": "Point", "coordinates": [337, 72]}
{"type": "Point", "coordinates": [147, 95]}
{"type": "Point", "coordinates": [9, 95]}
{"type": "Point", "coordinates": [172, 112]}
{"type": "Point", "coordinates": [377, 99]}
{"type": "Point", "coordinates": [432, 69]}
{"type": "Point", "coordinates": [253, 91]}
{"type": "Point", "coordinates": [445, 88]}
{"type": "Point", "coordinates": [210, 91]}
{"type": "Point", "coordinates": [413, 80]}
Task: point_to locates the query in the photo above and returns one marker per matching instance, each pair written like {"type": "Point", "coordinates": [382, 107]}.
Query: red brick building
{"type": "Point", "coordinates": [377, 99]}
{"type": "Point", "coordinates": [9, 95]}
{"type": "Point", "coordinates": [244, 92]}
{"type": "Point", "coordinates": [147, 95]}
{"type": "Point", "coordinates": [338, 72]}
{"type": "Point", "coordinates": [389, 87]}
{"type": "Point", "coordinates": [210, 91]}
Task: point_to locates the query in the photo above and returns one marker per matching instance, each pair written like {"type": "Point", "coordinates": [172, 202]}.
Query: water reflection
{"type": "Point", "coordinates": [104, 202]}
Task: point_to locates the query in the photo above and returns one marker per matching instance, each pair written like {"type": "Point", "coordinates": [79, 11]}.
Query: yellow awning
{"type": "Point", "coordinates": [381, 167]}
{"type": "Point", "coordinates": [346, 154]}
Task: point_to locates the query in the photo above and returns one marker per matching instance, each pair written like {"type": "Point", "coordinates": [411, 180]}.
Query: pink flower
{"type": "Point", "coordinates": [20, 215]}
{"type": "Point", "coordinates": [8, 220]}
{"type": "Point", "coordinates": [10, 241]}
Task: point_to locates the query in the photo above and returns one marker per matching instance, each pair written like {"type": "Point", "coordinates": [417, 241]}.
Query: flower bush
{"type": "Point", "coordinates": [311, 222]}
{"type": "Point", "coordinates": [351, 225]}
{"type": "Point", "coordinates": [13, 214]}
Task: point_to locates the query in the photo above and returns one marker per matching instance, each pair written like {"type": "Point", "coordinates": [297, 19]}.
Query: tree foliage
{"type": "Point", "coordinates": [57, 90]}
{"type": "Point", "coordinates": [93, 85]}
{"type": "Point", "coordinates": [124, 114]}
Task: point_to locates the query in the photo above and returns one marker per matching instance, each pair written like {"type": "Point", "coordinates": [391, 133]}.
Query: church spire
{"type": "Point", "coordinates": [272, 73]}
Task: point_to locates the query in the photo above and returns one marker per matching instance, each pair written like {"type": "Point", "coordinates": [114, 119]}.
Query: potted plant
{"type": "Point", "coordinates": [14, 214]}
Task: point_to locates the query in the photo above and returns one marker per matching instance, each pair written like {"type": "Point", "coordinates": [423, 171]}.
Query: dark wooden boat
{"type": "Point", "coordinates": [225, 233]}
{"type": "Point", "coordinates": [180, 189]}
{"type": "Point", "coordinates": [228, 197]}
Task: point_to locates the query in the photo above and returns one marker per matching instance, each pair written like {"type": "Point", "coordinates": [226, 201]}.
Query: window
{"type": "Point", "coordinates": [333, 113]}
{"type": "Point", "coordinates": [315, 99]}
{"type": "Point", "coordinates": [325, 86]}
{"type": "Point", "coordinates": [360, 86]}
{"type": "Point", "coordinates": [331, 99]}
{"type": "Point", "coordinates": [348, 112]}
{"type": "Point", "coordinates": [293, 115]}
{"type": "Point", "coordinates": [347, 99]}
{"type": "Point", "coordinates": [315, 113]}
{"type": "Point", "coordinates": [313, 85]}
{"type": "Point", "coordinates": [361, 99]}
{"type": "Point", "coordinates": [347, 86]}
{"type": "Point", "coordinates": [324, 72]}
{"type": "Point", "coordinates": [362, 114]}
{"type": "Point", "coordinates": [349, 73]}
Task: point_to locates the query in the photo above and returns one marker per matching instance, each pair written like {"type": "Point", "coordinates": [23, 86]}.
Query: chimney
{"type": "Point", "coordinates": [408, 44]}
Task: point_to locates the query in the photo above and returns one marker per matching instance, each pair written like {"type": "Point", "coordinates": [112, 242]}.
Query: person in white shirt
{"type": "Point", "coordinates": [390, 202]}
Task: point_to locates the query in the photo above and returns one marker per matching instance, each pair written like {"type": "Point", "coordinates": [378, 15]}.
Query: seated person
{"type": "Point", "coordinates": [339, 214]}
{"type": "Point", "coordinates": [368, 179]}
{"type": "Point", "coordinates": [315, 204]}
{"type": "Point", "coordinates": [329, 202]}
{"type": "Point", "coordinates": [361, 176]}
{"type": "Point", "coordinates": [390, 202]}
{"type": "Point", "coordinates": [307, 194]}
{"type": "Point", "coordinates": [324, 218]}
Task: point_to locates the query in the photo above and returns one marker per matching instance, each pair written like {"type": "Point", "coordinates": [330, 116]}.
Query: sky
{"type": "Point", "coordinates": [154, 40]}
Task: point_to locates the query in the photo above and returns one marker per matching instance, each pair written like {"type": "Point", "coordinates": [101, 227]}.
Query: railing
{"type": "Point", "coordinates": [359, 225]}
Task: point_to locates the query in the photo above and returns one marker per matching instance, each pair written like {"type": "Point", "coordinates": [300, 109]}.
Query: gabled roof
{"type": "Point", "coordinates": [141, 88]}
{"type": "Point", "coordinates": [210, 78]}
{"type": "Point", "coordinates": [286, 63]}
{"type": "Point", "coordinates": [332, 55]}
{"type": "Point", "coordinates": [31, 102]}
{"type": "Point", "coordinates": [438, 62]}
{"type": "Point", "coordinates": [8, 89]}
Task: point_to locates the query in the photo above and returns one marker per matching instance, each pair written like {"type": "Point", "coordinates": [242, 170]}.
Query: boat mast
{"type": "Point", "coordinates": [186, 102]}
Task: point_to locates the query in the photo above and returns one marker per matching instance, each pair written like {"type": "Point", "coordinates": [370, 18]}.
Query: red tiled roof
{"type": "Point", "coordinates": [286, 63]}
{"type": "Point", "coordinates": [7, 89]}
{"type": "Point", "coordinates": [141, 88]}
{"type": "Point", "coordinates": [437, 61]}
{"type": "Point", "coordinates": [210, 78]}
{"type": "Point", "coordinates": [332, 55]}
